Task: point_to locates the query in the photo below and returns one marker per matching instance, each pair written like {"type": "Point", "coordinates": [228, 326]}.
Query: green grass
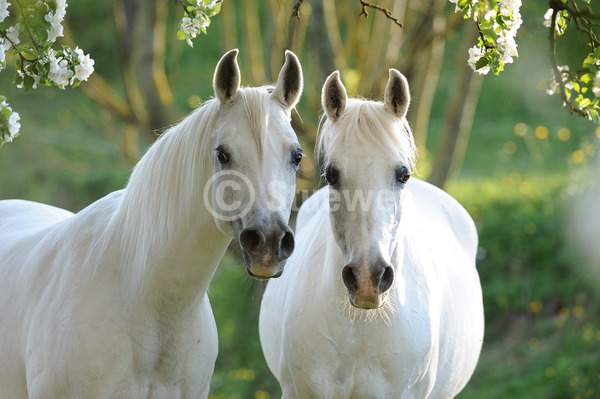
{"type": "Point", "coordinates": [542, 333]}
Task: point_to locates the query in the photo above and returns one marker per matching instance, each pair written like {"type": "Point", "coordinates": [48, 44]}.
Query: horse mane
{"type": "Point", "coordinates": [372, 125]}
{"type": "Point", "coordinates": [164, 192]}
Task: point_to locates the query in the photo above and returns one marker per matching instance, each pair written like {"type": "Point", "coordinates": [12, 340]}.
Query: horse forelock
{"type": "Point", "coordinates": [368, 126]}
{"type": "Point", "coordinates": [256, 102]}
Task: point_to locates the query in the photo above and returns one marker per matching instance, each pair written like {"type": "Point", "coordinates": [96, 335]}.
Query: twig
{"type": "Point", "coordinates": [182, 5]}
{"type": "Point", "coordinates": [364, 4]}
{"type": "Point", "coordinates": [557, 72]}
{"type": "Point", "coordinates": [296, 9]}
{"type": "Point", "coordinates": [487, 46]}
{"type": "Point", "coordinates": [29, 31]}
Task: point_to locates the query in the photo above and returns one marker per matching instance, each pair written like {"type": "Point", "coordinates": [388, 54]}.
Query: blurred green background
{"type": "Point", "coordinates": [505, 149]}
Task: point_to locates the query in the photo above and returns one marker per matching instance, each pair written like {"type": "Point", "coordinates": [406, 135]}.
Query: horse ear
{"type": "Point", "coordinates": [333, 96]}
{"type": "Point", "coordinates": [226, 81]}
{"type": "Point", "coordinates": [397, 95]}
{"type": "Point", "coordinates": [290, 81]}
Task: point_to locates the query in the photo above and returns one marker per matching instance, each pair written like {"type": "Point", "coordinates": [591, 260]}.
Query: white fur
{"type": "Point", "coordinates": [111, 302]}
{"type": "Point", "coordinates": [424, 342]}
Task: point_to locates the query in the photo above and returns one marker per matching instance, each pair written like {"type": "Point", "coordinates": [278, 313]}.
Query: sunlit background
{"type": "Point", "coordinates": [519, 163]}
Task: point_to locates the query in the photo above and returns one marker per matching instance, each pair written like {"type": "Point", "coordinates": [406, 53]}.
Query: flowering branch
{"type": "Point", "coordinates": [196, 18]}
{"type": "Point", "coordinates": [578, 88]}
{"type": "Point", "coordinates": [497, 22]}
{"type": "Point", "coordinates": [38, 59]}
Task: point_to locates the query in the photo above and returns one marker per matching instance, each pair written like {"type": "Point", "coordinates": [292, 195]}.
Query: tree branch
{"type": "Point", "coordinates": [557, 72]}
{"type": "Point", "coordinates": [365, 4]}
{"type": "Point", "coordinates": [296, 9]}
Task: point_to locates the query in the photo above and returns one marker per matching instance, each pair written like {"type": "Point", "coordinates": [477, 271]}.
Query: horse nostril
{"type": "Point", "coordinates": [349, 278]}
{"type": "Point", "coordinates": [386, 279]}
{"type": "Point", "coordinates": [251, 239]}
{"type": "Point", "coordinates": [286, 245]}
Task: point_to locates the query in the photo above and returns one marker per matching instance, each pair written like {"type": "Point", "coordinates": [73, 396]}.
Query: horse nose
{"type": "Point", "coordinates": [286, 243]}
{"type": "Point", "coordinates": [254, 240]}
{"type": "Point", "coordinates": [264, 251]}
{"type": "Point", "coordinates": [386, 278]}
{"type": "Point", "coordinates": [367, 282]}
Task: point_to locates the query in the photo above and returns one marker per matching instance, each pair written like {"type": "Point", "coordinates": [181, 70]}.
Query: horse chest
{"type": "Point", "coordinates": [361, 359]}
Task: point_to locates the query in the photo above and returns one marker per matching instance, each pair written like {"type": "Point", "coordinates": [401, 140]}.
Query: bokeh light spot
{"type": "Point", "coordinates": [564, 134]}
{"type": "Point", "coordinates": [541, 132]}
{"type": "Point", "coordinates": [521, 129]}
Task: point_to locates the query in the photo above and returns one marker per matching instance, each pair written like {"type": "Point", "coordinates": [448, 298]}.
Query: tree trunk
{"type": "Point", "coordinates": [458, 119]}
{"type": "Point", "coordinates": [319, 40]}
{"type": "Point", "coordinates": [429, 79]}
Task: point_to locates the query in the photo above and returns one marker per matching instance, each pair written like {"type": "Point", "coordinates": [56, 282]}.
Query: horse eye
{"type": "Point", "coordinates": [332, 175]}
{"type": "Point", "coordinates": [222, 156]}
{"type": "Point", "coordinates": [402, 175]}
{"type": "Point", "coordinates": [297, 157]}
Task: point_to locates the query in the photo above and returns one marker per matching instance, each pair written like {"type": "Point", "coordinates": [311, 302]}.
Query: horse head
{"type": "Point", "coordinates": [368, 155]}
{"type": "Point", "coordinates": [255, 159]}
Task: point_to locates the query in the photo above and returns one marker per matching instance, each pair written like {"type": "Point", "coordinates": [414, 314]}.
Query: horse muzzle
{"type": "Point", "coordinates": [264, 252]}
{"type": "Point", "coordinates": [368, 283]}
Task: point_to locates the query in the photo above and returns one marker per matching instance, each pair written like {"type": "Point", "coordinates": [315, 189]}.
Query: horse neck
{"type": "Point", "coordinates": [169, 245]}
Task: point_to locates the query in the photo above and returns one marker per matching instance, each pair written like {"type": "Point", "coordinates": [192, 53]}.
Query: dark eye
{"type": "Point", "coordinates": [402, 175]}
{"type": "Point", "coordinates": [332, 175]}
{"type": "Point", "coordinates": [222, 156]}
{"type": "Point", "coordinates": [297, 156]}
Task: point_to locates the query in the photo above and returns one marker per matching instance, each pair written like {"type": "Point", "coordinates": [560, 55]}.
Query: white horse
{"type": "Point", "coordinates": [381, 298]}
{"type": "Point", "coordinates": [111, 302]}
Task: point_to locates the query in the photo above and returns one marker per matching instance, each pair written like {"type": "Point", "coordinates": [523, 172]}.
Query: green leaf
{"type": "Point", "coordinates": [482, 62]}
{"type": "Point", "coordinates": [501, 22]}
{"type": "Point", "coordinates": [583, 101]}
{"type": "Point", "coordinates": [489, 33]}
{"type": "Point", "coordinates": [589, 60]}
{"type": "Point", "coordinates": [575, 86]}
{"type": "Point", "coordinates": [18, 80]}
{"type": "Point", "coordinates": [28, 82]}
{"type": "Point", "coordinates": [586, 78]}
{"type": "Point", "coordinates": [180, 35]}
{"type": "Point", "coordinates": [594, 116]}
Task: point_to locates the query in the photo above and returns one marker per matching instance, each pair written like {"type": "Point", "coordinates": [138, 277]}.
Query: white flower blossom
{"type": "Point", "coordinates": [12, 34]}
{"type": "Point", "coordinates": [596, 88]}
{"type": "Point", "coordinates": [552, 86]}
{"type": "Point", "coordinates": [190, 26]}
{"type": "Point", "coordinates": [56, 28]}
{"type": "Point", "coordinates": [85, 67]}
{"type": "Point", "coordinates": [59, 71]}
{"type": "Point", "coordinates": [507, 7]}
{"type": "Point", "coordinates": [61, 7]}
{"type": "Point", "coordinates": [475, 54]}
{"type": "Point", "coordinates": [548, 18]}
{"type": "Point", "coordinates": [55, 19]}
{"type": "Point", "coordinates": [508, 48]}
{"type": "Point", "coordinates": [13, 125]}
{"type": "Point", "coordinates": [3, 47]}
{"type": "Point", "coordinates": [3, 9]}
